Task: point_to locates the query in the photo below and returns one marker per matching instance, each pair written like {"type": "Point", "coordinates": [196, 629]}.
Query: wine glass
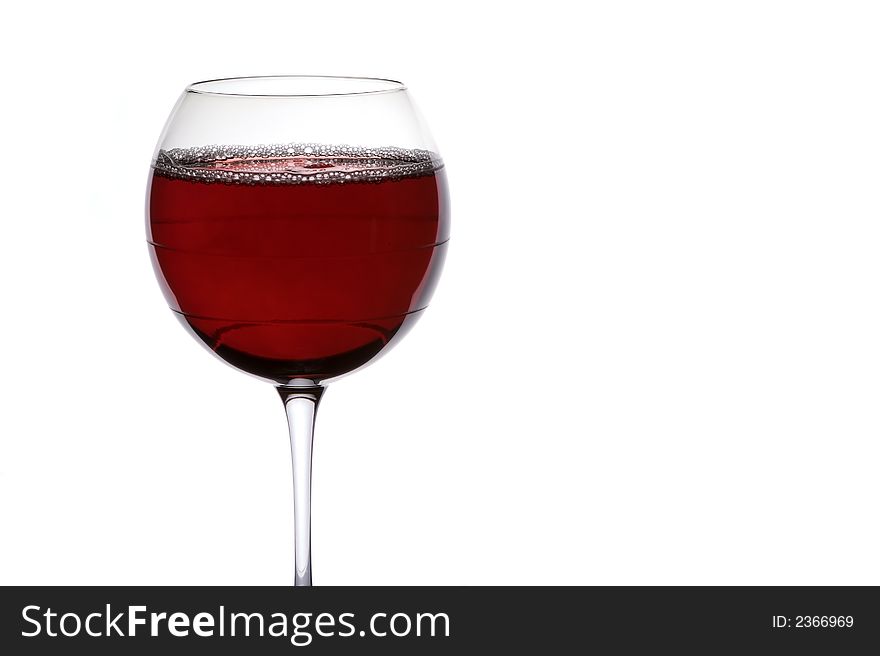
{"type": "Point", "coordinates": [297, 226]}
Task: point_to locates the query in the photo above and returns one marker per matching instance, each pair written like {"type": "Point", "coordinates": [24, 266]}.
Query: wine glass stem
{"type": "Point", "coordinates": [301, 405]}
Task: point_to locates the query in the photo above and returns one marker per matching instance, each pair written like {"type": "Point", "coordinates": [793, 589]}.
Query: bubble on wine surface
{"type": "Point", "coordinates": [296, 163]}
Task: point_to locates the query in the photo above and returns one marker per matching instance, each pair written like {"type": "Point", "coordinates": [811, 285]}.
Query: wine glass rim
{"type": "Point", "coordinates": [284, 86]}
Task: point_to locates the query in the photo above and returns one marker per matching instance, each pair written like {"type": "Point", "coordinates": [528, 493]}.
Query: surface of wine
{"type": "Point", "coordinates": [299, 261]}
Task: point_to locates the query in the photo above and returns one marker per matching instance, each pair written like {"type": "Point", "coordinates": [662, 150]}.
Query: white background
{"type": "Point", "coordinates": [653, 357]}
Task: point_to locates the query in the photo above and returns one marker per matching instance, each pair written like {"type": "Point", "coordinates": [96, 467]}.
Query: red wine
{"type": "Point", "coordinates": [297, 261]}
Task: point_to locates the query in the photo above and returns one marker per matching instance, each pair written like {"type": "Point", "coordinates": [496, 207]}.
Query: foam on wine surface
{"type": "Point", "coordinates": [296, 163]}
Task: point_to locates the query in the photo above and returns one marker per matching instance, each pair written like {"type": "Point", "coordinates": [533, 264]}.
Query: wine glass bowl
{"type": "Point", "coordinates": [295, 259]}
{"type": "Point", "coordinates": [297, 226]}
